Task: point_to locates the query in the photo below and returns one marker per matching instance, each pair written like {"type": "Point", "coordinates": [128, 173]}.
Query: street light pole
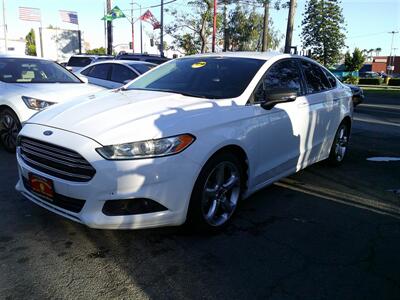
{"type": "Point", "coordinates": [162, 30]}
{"type": "Point", "coordinates": [109, 31]}
{"type": "Point", "coordinates": [133, 29]}
{"type": "Point", "coordinates": [391, 59]}
{"type": "Point", "coordinates": [5, 26]}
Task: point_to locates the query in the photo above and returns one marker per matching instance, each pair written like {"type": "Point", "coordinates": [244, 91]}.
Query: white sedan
{"type": "Point", "coordinates": [185, 141]}
{"type": "Point", "coordinates": [114, 73]}
{"type": "Point", "coordinates": [28, 85]}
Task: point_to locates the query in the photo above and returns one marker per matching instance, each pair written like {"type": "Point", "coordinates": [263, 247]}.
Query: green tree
{"type": "Point", "coordinates": [30, 45]}
{"type": "Point", "coordinates": [323, 30]}
{"type": "Point", "coordinates": [192, 30]}
{"type": "Point", "coordinates": [355, 61]}
{"type": "Point", "coordinates": [96, 51]}
{"type": "Point", "coordinates": [244, 29]}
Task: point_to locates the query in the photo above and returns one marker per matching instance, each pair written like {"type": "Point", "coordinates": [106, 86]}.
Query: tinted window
{"type": "Point", "coordinates": [121, 74]}
{"type": "Point", "coordinates": [283, 75]}
{"type": "Point", "coordinates": [142, 68]}
{"type": "Point", "coordinates": [331, 78]}
{"type": "Point", "coordinates": [209, 77]}
{"type": "Point", "coordinates": [100, 71]}
{"type": "Point", "coordinates": [316, 80]}
{"type": "Point", "coordinates": [76, 61]}
{"type": "Point", "coordinates": [86, 71]}
{"type": "Point", "coordinates": [25, 70]}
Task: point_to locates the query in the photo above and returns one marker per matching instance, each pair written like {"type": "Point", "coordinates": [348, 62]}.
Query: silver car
{"type": "Point", "coordinates": [114, 74]}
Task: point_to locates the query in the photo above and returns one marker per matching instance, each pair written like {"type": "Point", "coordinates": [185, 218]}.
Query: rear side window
{"type": "Point", "coordinates": [76, 61]}
{"type": "Point", "coordinates": [121, 74]}
{"type": "Point", "coordinates": [100, 71]}
{"type": "Point", "coordinates": [316, 80]}
{"type": "Point", "coordinates": [283, 75]}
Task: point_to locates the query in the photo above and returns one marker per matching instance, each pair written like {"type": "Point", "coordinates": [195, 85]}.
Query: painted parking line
{"type": "Point", "coordinates": [383, 158]}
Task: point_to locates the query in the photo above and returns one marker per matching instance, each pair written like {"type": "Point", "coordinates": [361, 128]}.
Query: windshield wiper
{"type": "Point", "coordinates": [170, 91]}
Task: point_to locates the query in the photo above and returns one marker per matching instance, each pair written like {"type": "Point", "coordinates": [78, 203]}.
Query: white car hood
{"type": "Point", "coordinates": [56, 92]}
{"type": "Point", "coordinates": [127, 116]}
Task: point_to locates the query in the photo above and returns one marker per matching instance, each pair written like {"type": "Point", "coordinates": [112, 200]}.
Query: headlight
{"type": "Point", "coordinates": [37, 104]}
{"type": "Point", "coordinates": [146, 149]}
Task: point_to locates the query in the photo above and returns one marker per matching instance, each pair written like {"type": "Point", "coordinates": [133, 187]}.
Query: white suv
{"type": "Point", "coordinates": [185, 141]}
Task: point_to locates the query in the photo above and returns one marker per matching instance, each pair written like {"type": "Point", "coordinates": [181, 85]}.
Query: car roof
{"type": "Point", "coordinates": [3, 55]}
{"type": "Point", "coordinates": [242, 54]}
{"type": "Point", "coordinates": [120, 62]}
{"type": "Point", "coordinates": [91, 55]}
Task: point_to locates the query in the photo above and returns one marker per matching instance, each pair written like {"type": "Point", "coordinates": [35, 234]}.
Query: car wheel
{"type": "Point", "coordinates": [9, 128]}
{"type": "Point", "coordinates": [339, 146]}
{"type": "Point", "coordinates": [216, 193]}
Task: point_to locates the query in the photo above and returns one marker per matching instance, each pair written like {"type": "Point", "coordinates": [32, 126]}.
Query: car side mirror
{"type": "Point", "coordinates": [280, 95]}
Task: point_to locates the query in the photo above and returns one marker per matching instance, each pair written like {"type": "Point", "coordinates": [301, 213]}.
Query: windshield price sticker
{"type": "Point", "coordinates": [199, 64]}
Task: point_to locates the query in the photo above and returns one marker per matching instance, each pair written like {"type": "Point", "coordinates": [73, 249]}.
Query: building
{"type": "Point", "coordinates": [380, 63]}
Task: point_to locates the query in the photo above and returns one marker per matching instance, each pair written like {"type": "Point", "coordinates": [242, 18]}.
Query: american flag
{"type": "Point", "coordinates": [30, 14]}
{"type": "Point", "coordinates": [69, 16]}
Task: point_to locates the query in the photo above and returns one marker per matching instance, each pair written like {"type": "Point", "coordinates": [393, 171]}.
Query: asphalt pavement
{"type": "Point", "coordinates": [324, 233]}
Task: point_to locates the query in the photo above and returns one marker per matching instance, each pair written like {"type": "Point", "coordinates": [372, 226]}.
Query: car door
{"type": "Point", "coordinates": [324, 111]}
{"type": "Point", "coordinates": [99, 74]}
{"type": "Point", "coordinates": [120, 75]}
{"type": "Point", "coordinates": [280, 129]}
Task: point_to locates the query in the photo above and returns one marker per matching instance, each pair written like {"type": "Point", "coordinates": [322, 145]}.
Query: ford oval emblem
{"type": "Point", "coordinates": [48, 132]}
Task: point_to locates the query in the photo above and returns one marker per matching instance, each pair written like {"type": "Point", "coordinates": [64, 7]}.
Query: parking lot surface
{"type": "Point", "coordinates": [324, 233]}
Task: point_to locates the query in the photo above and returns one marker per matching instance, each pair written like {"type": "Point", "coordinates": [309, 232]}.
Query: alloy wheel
{"type": "Point", "coordinates": [221, 193]}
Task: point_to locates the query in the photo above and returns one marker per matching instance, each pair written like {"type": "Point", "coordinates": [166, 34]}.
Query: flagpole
{"type": "Point", "coordinates": [5, 27]}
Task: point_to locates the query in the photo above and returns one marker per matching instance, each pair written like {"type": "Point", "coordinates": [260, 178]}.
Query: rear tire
{"type": "Point", "coordinates": [216, 193]}
{"type": "Point", "coordinates": [340, 144]}
{"type": "Point", "coordinates": [9, 129]}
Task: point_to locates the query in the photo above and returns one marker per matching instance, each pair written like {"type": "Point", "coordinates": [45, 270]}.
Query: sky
{"type": "Point", "coordinates": [367, 21]}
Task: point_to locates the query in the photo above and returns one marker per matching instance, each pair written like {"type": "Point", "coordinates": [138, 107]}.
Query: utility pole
{"type": "Point", "coordinates": [265, 26]}
{"type": "Point", "coordinates": [289, 28]}
{"type": "Point", "coordinates": [133, 29]}
{"type": "Point", "coordinates": [109, 31]}
{"type": "Point", "coordinates": [162, 30]}
{"type": "Point", "coordinates": [391, 58]}
{"type": "Point", "coordinates": [214, 26]}
{"type": "Point", "coordinates": [5, 26]}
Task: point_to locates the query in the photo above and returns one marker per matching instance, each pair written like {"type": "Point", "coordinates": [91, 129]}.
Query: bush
{"type": "Point", "coordinates": [351, 79]}
{"type": "Point", "coordinates": [372, 81]}
{"type": "Point", "coordinates": [394, 81]}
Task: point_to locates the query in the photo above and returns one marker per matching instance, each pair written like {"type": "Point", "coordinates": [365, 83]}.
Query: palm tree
{"type": "Point", "coordinates": [378, 51]}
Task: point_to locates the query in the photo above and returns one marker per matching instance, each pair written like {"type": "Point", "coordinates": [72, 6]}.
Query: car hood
{"type": "Point", "coordinates": [119, 117]}
{"type": "Point", "coordinates": [56, 92]}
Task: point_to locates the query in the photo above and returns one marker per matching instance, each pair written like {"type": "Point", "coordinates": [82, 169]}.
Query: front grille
{"type": "Point", "coordinates": [68, 203]}
{"type": "Point", "coordinates": [55, 160]}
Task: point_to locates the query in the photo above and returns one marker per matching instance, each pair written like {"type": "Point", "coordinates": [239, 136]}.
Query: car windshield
{"type": "Point", "coordinates": [25, 70]}
{"type": "Point", "coordinates": [76, 61]}
{"type": "Point", "coordinates": [206, 77]}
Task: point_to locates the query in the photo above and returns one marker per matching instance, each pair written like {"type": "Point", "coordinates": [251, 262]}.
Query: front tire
{"type": "Point", "coordinates": [339, 146]}
{"type": "Point", "coordinates": [9, 129]}
{"type": "Point", "coordinates": [216, 193]}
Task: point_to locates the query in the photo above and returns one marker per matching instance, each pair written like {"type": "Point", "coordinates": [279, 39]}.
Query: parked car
{"type": "Point", "coordinates": [185, 141]}
{"type": "Point", "coordinates": [28, 85]}
{"type": "Point", "coordinates": [358, 94]}
{"type": "Point", "coordinates": [155, 59]}
{"type": "Point", "coordinates": [115, 73]}
{"type": "Point", "coordinates": [370, 74]}
{"type": "Point", "coordinates": [77, 62]}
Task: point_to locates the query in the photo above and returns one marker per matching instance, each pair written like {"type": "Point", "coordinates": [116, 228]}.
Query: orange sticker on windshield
{"type": "Point", "coordinates": [199, 64]}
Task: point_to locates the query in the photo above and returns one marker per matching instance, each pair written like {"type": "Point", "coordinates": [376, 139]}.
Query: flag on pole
{"type": "Point", "coordinates": [150, 18]}
{"type": "Point", "coordinates": [30, 14]}
{"type": "Point", "coordinates": [115, 13]}
{"type": "Point", "coordinates": [69, 16]}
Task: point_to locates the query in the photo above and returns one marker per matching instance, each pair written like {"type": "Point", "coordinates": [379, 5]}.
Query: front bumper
{"type": "Point", "coordinates": [168, 181]}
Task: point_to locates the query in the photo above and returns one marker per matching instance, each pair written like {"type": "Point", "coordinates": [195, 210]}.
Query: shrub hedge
{"type": "Point", "coordinates": [372, 81]}
{"type": "Point", "coordinates": [394, 81]}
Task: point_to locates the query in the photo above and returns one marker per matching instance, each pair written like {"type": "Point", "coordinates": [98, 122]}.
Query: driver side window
{"type": "Point", "coordinates": [281, 75]}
